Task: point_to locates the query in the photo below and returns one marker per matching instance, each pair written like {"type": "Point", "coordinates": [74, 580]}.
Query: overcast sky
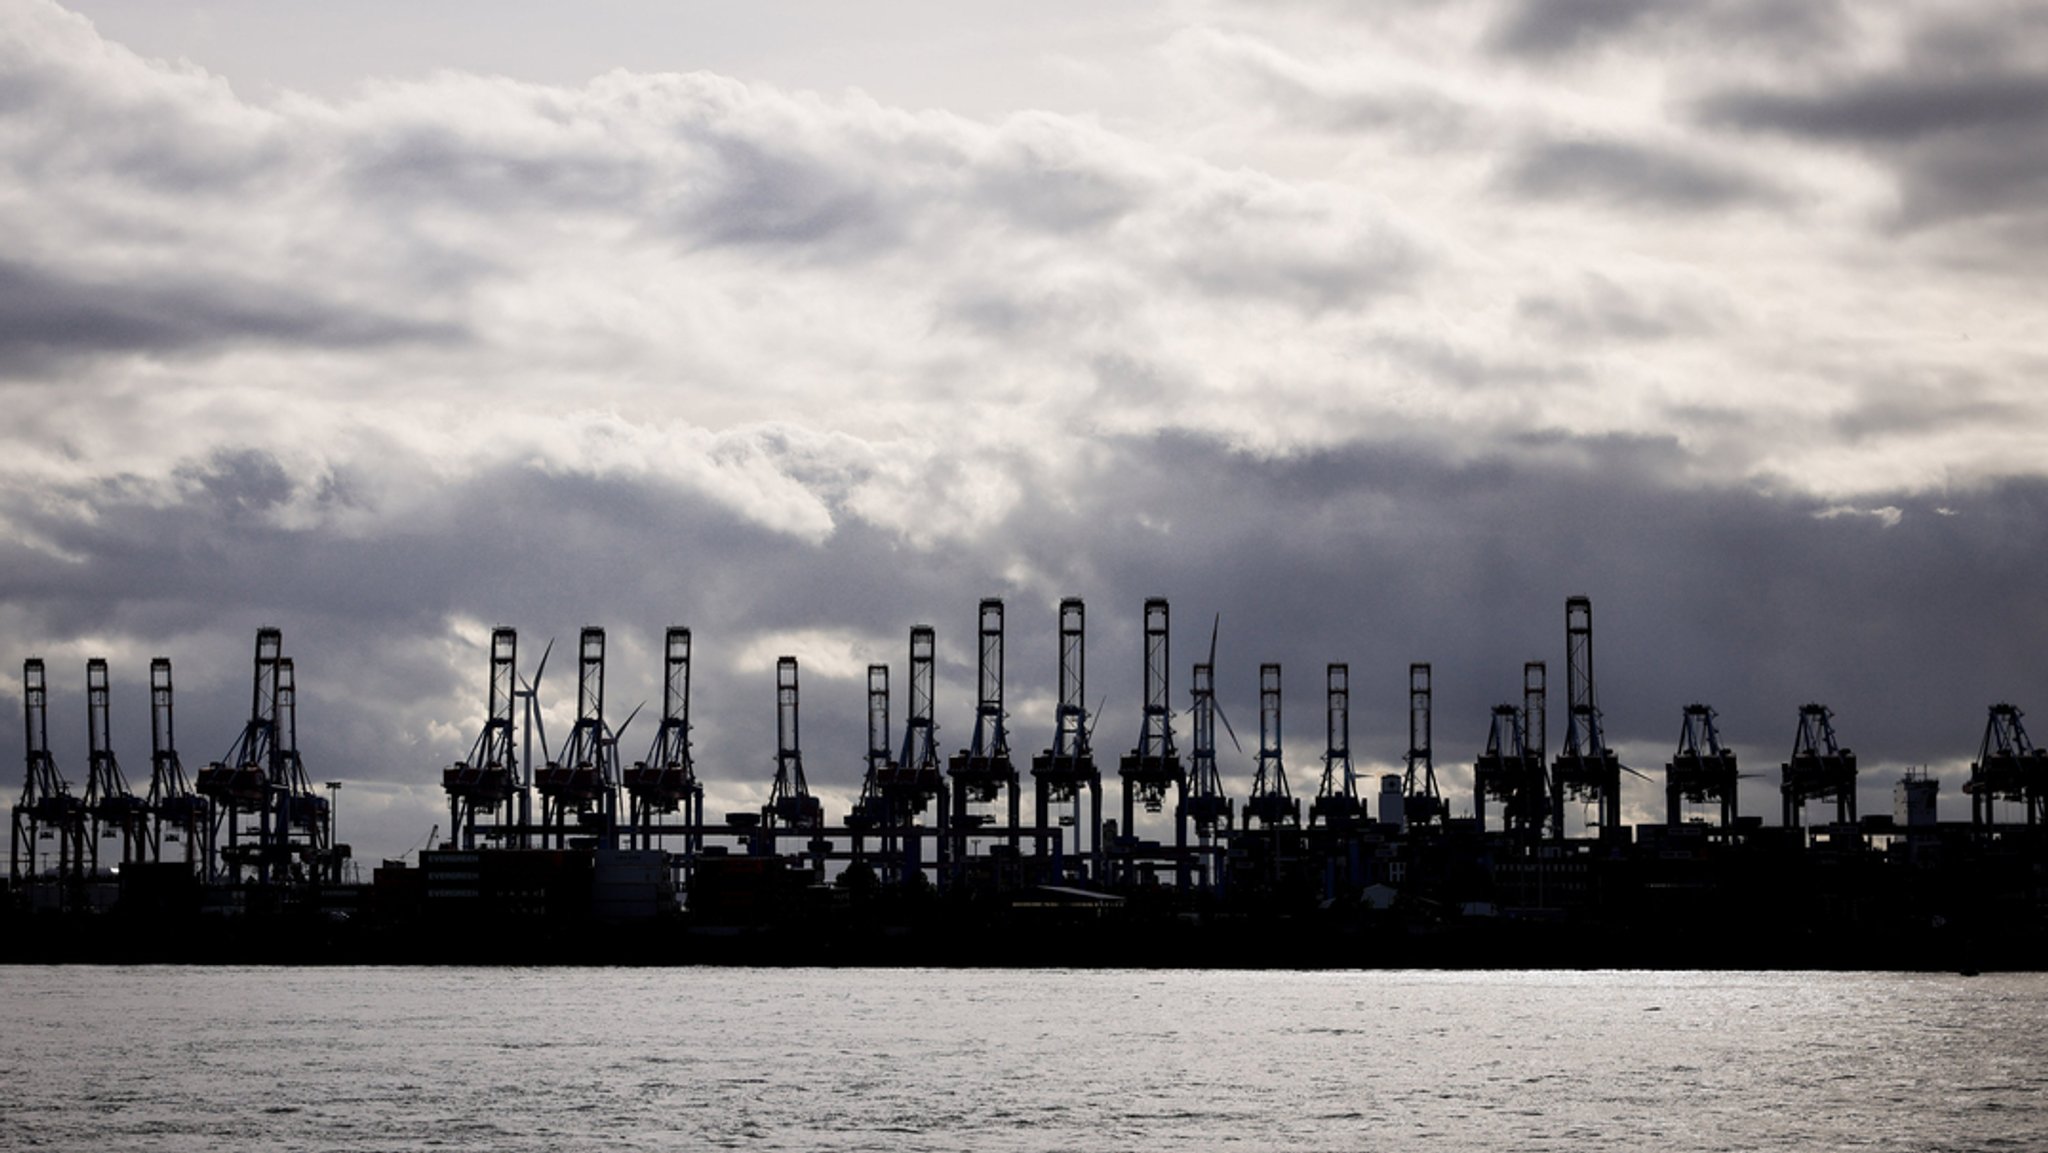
{"type": "Point", "coordinates": [1378, 329]}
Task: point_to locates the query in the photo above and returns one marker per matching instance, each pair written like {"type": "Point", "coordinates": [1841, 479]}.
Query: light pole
{"type": "Point", "coordinates": [333, 849]}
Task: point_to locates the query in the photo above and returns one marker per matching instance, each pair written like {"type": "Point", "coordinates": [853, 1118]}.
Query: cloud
{"type": "Point", "coordinates": [1954, 115]}
{"type": "Point", "coordinates": [1631, 175]}
{"type": "Point", "coordinates": [1546, 29]}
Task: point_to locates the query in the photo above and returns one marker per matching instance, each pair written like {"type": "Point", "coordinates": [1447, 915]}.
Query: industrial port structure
{"type": "Point", "coordinates": [252, 824]}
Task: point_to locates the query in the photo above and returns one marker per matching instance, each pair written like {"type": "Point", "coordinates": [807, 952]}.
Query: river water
{"type": "Point", "coordinates": [178, 1058]}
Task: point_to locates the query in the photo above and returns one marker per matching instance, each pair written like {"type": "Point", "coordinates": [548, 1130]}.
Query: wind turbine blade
{"type": "Point", "coordinates": [1226, 724]}
{"type": "Point", "coordinates": [1214, 628]}
{"type": "Point", "coordinates": [620, 732]}
{"type": "Point", "coordinates": [533, 686]}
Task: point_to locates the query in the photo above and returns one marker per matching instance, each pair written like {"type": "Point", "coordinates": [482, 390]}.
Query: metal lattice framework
{"type": "Point", "coordinates": [2008, 768]}
{"type": "Point", "coordinates": [1702, 771]}
{"type": "Point", "coordinates": [116, 813]}
{"type": "Point", "coordinates": [581, 785]}
{"type": "Point", "coordinates": [1062, 772]}
{"type": "Point", "coordinates": [482, 789]}
{"type": "Point", "coordinates": [47, 810]}
{"type": "Point", "coordinates": [1422, 803]}
{"type": "Point", "coordinates": [1336, 803]}
{"type": "Point", "coordinates": [1585, 769]}
{"type": "Point", "coordinates": [1820, 769]}
{"type": "Point", "coordinates": [1271, 803]}
{"type": "Point", "coordinates": [665, 782]}
{"type": "Point", "coordinates": [790, 803]}
{"type": "Point", "coordinates": [180, 816]}
{"type": "Point", "coordinates": [1511, 771]}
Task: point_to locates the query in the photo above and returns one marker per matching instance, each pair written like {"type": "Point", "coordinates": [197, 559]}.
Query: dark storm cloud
{"type": "Point", "coordinates": [48, 317]}
{"type": "Point", "coordinates": [1542, 29]}
{"type": "Point", "coordinates": [1630, 174]}
{"type": "Point", "coordinates": [1963, 126]}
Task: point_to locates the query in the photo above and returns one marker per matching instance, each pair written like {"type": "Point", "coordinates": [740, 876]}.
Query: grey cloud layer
{"type": "Point", "coordinates": [1373, 557]}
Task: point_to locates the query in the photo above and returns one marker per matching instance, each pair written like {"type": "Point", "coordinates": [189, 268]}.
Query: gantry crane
{"type": "Point", "coordinates": [47, 811]}
{"type": "Point", "coordinates": [1585, 769]}
{"type": "Point", "coordinates": [984, 770]}
{"type": "Point", "coordinates": [1271, 804]}
{"type": "Point", "coordinates": [482, 789]}
{"type": "Point", "coordinates": [1511, 769]}
{"type": "Point", "coordinates": [1153, 767]}
{"type": "Point", "coordinates": [1336, 804]}
{"type": "Point", "coordinates": [1820, 769]}
{"type": "Point", "coordinates": [1702, 771]}
{"type": "Point", "coordinates": [790, 803]}
{"type": "Point", "coordinates": [1061, 772]}
{"type": "Point", "coordinates": [302, 823]}
{"type": "Point", "coordinates": [238, 786]}
{"type": "Point", "coordinates": [583, 784]}
{"type": "Point", "coordinates": [1208, 807]}
{"type": "Point", "coordinates": [116, 813]}
{"type": "Point", "coordinates": [666, 781]}
{"type": "Point", "coordinates": [179, 815]}
{"type": "Point", "coordinates": [871, 812]}
{"type": "Point", "coordinates": [2008, 768]}
{"type": "Point", "coordinates": [909, 785]}
{"type": "Point", "coordinates": [1421, 803]}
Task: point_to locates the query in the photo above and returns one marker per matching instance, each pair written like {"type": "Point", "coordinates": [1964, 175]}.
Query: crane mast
{"type": "Point", "coordinates": [47, 811]}
{"type": "Point", "coordinates": [1271, 804]}
{"type": "Point", "coordinates": [1336, 803]}
{"type": "Point", "coordinates": [1422, 803]}
{"type": "Point", "coordinates": [172, 802]}
{"type": "Point", "coordinates": [1062, 772]}
{"type": "Point", "coordinates": [116, 813]}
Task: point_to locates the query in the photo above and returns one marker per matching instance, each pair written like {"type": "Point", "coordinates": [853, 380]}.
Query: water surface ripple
{"type": "Point", "coordinates": [181, 1058]}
